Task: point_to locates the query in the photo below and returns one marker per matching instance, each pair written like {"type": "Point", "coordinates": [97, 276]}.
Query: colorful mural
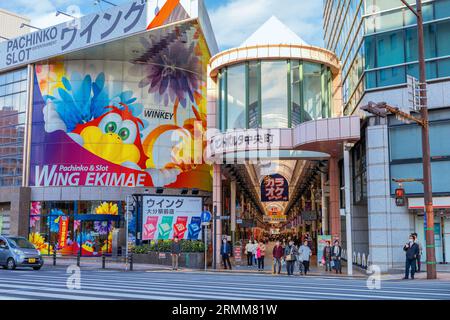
{"type": "Point", "coordinates": [124, 123]}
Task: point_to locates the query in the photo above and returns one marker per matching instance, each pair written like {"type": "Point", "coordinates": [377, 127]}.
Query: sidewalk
{"type": "Point", "coordinates": [95, 263]}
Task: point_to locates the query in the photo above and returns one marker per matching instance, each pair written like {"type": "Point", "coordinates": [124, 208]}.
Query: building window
{"type": "Point", "coordinates": [236, 112]}
{"type": "Point", "coordinates": [405, 151]}
{"type": "Point", "coordinates": [254, 72]}
{"type": "Point", "coordinates": [13, 105]}
{"type": "Point", "coordinates": [312, 91]}
{"type": "Point", "coordinates": [296, 93]}
{"type": "Point", "coordinates": [359, 171]}
{"type": "Point", "coordinates": [274, 99]}
{"type": "Point", "coordinates": [442, 9]}
{"type": "Point", "coordinates": [273, 94]}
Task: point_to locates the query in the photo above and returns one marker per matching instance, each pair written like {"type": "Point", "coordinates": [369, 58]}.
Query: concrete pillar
{"type": "Point", "coordinates": [217, 212]}
{"type": "Point", "coordinates": [334, 216]}
{"type": "Point", "coordinates": [233, 210]}
{"type": "Point", "coordinates": [324, 205]}
{"type": "Point", "coordinates": [348, 207]}
{"type": "Point", "coordinates": [19, 199]}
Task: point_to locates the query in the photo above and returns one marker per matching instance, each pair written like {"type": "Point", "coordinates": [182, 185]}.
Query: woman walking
{"type": "Point", "coordinates": [327, 256]}
{"type": "Point", "coordinates": [261, 252]}
{"type": "Point", "coordinates": [336, 256]}
{"type": "Point", "coordinates": [290, 254]}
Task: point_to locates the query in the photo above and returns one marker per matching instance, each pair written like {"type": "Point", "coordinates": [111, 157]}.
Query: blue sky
{"type": "Point", "coordinates": [233, 20]}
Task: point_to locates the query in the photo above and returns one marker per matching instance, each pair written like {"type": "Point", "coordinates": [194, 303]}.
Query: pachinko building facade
{"type": "Point", "coordinates": [104, 115]}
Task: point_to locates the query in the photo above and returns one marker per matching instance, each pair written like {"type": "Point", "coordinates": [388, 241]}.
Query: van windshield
{"type": "Point", "coordinates": [21, 243]}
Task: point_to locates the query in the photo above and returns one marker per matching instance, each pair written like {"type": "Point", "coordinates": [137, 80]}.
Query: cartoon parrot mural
{"type": "Point", "coordinates": [114, 136]}
{"type": "Point", "coordinates": [107, 126]}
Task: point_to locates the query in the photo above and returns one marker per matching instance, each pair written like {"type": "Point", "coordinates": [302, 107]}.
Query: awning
{"type": "Point", "coordinates": [438, 203]}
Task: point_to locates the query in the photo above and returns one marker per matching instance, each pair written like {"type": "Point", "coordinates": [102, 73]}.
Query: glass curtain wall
{"type": "Point", "coordinates": [274, 98]}
{"type": "Point", "coordinates": [236, 113]}
{"type": "Point", "coordinates": [273, 94]}
{"type": "Point", "coordinates": [391, 43]}
{"type": "Point", "coordinates": [13, 105]}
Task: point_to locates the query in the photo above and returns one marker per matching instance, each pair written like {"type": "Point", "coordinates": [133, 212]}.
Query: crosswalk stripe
{"type": "Point", "coordinates": [249, 292]}
{"type": "Point", "coordinates": [283, 288]}
{"type": "Point", "coordinates": [180, 285]}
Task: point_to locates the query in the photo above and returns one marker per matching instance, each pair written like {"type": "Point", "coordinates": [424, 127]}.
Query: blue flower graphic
{"type": "Point", "coordinates": [81, 100]}
{"type": "Point", "coordinates": [53, 219]}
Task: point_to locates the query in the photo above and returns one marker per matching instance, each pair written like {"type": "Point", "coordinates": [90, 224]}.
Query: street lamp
{"type": "Point", "coordinates": [96, 2]}
{"type": "Point", "coordinates": [381, 109]}
{"type": "Point", "coordinates": [58, 12]}
{"type": "Point", "coordinates": [29, 25]}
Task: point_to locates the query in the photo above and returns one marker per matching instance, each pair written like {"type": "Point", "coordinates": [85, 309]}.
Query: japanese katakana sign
{"type": "Point", "coordinates": [274, 188]}
{"type": "Point", "coordinates": [164, 217]}
{"type": "Point", "coordinates": [244, 140]}
{"type": "Point", "coordinates": [116, 22]}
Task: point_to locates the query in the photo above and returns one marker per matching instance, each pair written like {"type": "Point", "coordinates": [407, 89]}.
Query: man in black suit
{"type": "Point", "coordinates": [412, 251]}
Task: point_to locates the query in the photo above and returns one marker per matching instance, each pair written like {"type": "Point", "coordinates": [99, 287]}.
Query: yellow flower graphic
{"type": "Point", "coordinates": [107, 247]}
{"type": "Point", "coordinates": [39, 242]}
{"type": "Point", "coordinates": [107, 208]}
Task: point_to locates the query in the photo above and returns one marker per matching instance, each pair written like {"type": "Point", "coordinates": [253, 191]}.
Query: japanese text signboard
{"type": "Point", "coordinates": [63, 230]}
{"type": "Point", "coordinates": [164, 217]}
{"type": "Point", "coordinates": [133, 17]}
{"type": "Point", "coordinates": [274, 188]}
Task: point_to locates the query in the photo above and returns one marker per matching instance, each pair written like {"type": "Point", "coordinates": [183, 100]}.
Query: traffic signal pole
{"type": "Point", "coordinates": [428, 193]}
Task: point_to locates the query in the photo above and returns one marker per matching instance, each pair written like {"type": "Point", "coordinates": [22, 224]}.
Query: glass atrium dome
{"type": "Point", "coordinates": [273, 80]}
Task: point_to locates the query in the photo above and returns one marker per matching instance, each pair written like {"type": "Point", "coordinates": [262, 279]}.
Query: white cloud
{"type": "Point", "coordinates": [236, 20]}
{"type": "Point", "coordinates": [42, 15]}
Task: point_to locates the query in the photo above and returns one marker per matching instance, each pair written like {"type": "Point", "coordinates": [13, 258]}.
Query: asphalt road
{"type": "Point", "coordinates": [51, 283]}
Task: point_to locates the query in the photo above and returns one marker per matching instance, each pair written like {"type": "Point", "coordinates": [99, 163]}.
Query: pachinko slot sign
{"type": "Point", "coordinates": [166, 217]}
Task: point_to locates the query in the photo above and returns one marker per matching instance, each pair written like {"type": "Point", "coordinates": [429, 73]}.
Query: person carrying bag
{"type": "Point", "coordinates": [290, 253]}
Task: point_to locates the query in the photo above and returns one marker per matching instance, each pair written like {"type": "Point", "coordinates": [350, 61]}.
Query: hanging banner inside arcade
{"type": "Point", "coordinates": [138, 122]}
{"type": "Point", "coordinates": [274, 187]}
{"type": "Point", "coordinates": [166, 217]}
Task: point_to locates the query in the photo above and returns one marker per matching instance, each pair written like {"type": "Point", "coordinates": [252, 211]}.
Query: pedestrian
{"type": "Point", "coordinates": [327, 256]}
{"type": "Point", "coordinates": [249, 252]}
{"type": "Point", "coordinates": [419, 256]}
{"type": "Point", "coordinates": [261, 252]}
{"type": "Point", "coordinates": [254, 249]}
{"type": "Point", "coordinates": [412, 251]}
{"type": "Point", "coordinates": [290, 253]}
{"type": "Point", "coordinates": [336, 254]}
{"type": "Point", "coordinates": [277, 253]}
{"type": "Point", "coordinates": [305, 253]}
{"type": "Point", "coordinates": [175, 252]}
{"type": "Point", "coordinates": [225, 251]}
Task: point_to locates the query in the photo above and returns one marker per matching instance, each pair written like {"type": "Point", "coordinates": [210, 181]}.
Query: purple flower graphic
{"type": "Point", "coordinates": [102, 227]}
{"type": "Point", "coordinates": [171, 70]}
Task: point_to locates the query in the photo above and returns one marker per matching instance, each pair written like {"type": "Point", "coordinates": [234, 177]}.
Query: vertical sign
{"type": "Point", "coordinates": [63, 229]}
{"type": "Point", "coordinates": [321, 243]}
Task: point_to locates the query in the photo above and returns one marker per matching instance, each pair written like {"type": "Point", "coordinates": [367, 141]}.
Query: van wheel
{"type": "Point", "coordinates": [10, 264]}
{"type": "Point", "coordinates": [37, 268]}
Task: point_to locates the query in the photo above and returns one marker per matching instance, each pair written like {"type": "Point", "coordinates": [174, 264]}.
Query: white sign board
{"type": "Point", "coordinates": [99, 27]}
{"type": "Point", "coordinates": [164, 217]}
{"type": "Point", "coordinates": [245, 140]}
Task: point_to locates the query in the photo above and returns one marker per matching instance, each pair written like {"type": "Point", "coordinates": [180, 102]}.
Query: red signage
{"type": "Point", "coordinates": [63, 229]}
{"type": "Point", "coordinates": [237, 254]}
